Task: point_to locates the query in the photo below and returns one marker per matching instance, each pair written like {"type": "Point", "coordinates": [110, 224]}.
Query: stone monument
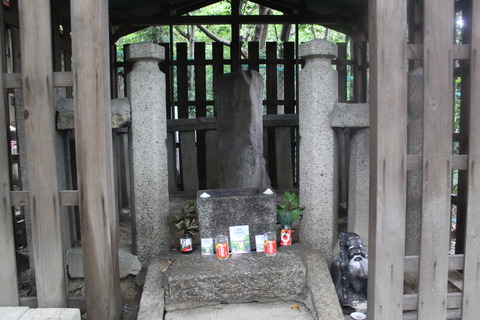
{"type": "Point", "coordinates": [238, 105]}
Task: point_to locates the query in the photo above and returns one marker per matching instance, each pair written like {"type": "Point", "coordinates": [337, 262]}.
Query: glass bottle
{"type": "Point", "coordinates": [286, 235]}
{"type": "Point", "coordinates": [186, 243]}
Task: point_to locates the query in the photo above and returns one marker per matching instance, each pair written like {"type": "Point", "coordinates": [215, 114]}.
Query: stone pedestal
{"type": "Point", "coordinates": [318, 171]}
{"type": "Point", "coordinates": [146, 92]}
{"type": "Point", "coordinates": [235, 207]}
{"type": "Point", "coordinates": [238, 103]}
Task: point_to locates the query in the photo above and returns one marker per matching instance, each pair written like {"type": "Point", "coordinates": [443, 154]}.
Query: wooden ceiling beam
{"type": "Point", "coordinates": [285, 7]}
{"type": "Point", "coordinates": [327, 20]}
{"type": "Point", "coordinates": [189, 6]}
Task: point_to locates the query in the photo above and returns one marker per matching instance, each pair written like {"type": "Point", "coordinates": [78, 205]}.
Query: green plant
{"type": "Point", "coordinates": [289, 209]}
{"type": "Point", "coordinates": [186, 222]}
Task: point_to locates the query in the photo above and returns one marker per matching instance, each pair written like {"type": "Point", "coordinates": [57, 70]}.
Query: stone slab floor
{"type": "Point", "coordinates": [245, 311]}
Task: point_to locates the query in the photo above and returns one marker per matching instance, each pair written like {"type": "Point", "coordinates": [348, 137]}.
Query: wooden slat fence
{"type": "Point", "coordinates": [192, 152]}
{"type": "Point", "coordinates": [444, 53]}
{"type": "Point", "coordinates": [194, 168]}
{"type": "Point", "coordinates": [96, 192]}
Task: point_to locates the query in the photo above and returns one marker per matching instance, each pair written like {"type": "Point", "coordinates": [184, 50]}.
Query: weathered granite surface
{"type": "Point", "coordinates": [120, 113]}
{"type": "Point", "coordinates": [350, 115]}
{"type": "Point", "coordinates": [241, 278]}
{"type": "Point", "coordinates": [245, 311]}
{"type": "Point", "coordinates": [318, 155]}
{"type": "Point", "coordinates": [149, 163]}
{"type": "Point", "coordinates": [152, 302]}
{"type": "Point", "coordinates": [238, 103]}
{"type": "Point", "coordinates": [358, 191]}
{"type": "Point", "coordinates": [24, 313]}
{"type": "Point", "coordinates": [235, 207]}
{"type": "Point", "coordinates": [204, 284]}
{"type": "Point", "coordinates": [415, 147]}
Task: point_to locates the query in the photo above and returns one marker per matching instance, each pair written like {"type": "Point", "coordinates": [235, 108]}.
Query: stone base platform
{"type": "Point", "coordinates": [25, 313]}
{"type": "Point", "coordinates": [194, 283]}
{"type": "Point", "coordinates": [245, 311]}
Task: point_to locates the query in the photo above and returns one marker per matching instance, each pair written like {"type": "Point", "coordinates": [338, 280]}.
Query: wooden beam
{"type": "Point", "coordinates": [459, 51]}
{"type": "Point", "coordinates": [410, 301]}
{"type": "Point", "coordinates": [60, 79]}
{"type": "Point", "coordinates": [37, 80]}
{"type": "Point", "coordinates": [459, 162]}
{"type": "Point", "coordinates": [388, 153]}
{"type": "Point", "coordinates": [437, 158]}
{"type": "Point", "coordinates": [93, 133]}
{"type": "Point", "coordinates": [22, 198]}
{"type": "Point", "coordinates": [8, 267]}
{"type": "Point", "coordinates": [455, 262]}
{"type": "Point", "coordinates": [325, 20]}
{"type": "Point", "coordinates": [471, 282]}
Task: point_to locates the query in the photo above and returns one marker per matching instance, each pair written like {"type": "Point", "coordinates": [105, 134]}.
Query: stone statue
{"type": "Point", "coordinates": [349, 270]}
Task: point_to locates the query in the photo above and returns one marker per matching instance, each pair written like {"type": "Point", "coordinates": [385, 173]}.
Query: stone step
{"type": "Point", "coordinates": [25, 313]}
{"type": "Point", "coordinates": [241, 278]}
{"type": "Point", "coordinates": [202, 285]}
{"type": "Point", "coordinates": [245, 311]}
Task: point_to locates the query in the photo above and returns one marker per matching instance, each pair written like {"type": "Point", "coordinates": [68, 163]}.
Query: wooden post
{"type": "Point", "coordinates": [37, 79]}
{"type": "Point", "coordinates": [471, 281]}
{"type": "Point", "coordinates": [437, 158]}
{"type": "Point", "coordinates": [8, 275]}
{"type": "Point", "coordinates": [388, 153]}
{"type": "Point", "coordinates": [93, 133]}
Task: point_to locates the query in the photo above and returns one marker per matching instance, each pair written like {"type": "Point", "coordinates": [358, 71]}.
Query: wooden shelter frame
{"type": "Point", "coordinates": [389, 162]}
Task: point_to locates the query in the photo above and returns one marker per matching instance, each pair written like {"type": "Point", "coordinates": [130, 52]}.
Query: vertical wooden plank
{"type": "Point", "coordinates": [271, 88]}
{"type": "Point", "coordinates": [437, 155]}
{"type": "Point", "coordinates": [388, 150]}
{"type": "Point", "coordinates": [172, 168]}
{"type": "Point", "coordinates": [359, 74]}
{"type": "Point", "coordinates": [182, 80]}
{"type": "Point", "coordinates": [235, 45]}
{"type": "Point", "coordinates": [217, 59]}
{"type": "Point", "coordinates": [213, 163]}
{"type": "Point", "coordinates": [218, 62]}
{"type": "Point", "coordinates": [167, 69]}
{"type": "Point", "coordinates": [471, 281]}
{"type": "Point", "coordinates": [342, 72]}
{"type": "Point", "coordinates": [289, 77]}
{"type": "Point", "coordinates": [188, 155]}
{"type": "Point", "coordinates": [37, 79]}
{"type": "Point", "coordinates": [283, 154]}
{"type": "Point", "coordinates": [93, 132]}
{"type": "Point", "coordinates": [201, 108]}
{"type": "Point", "coordinates": [253, 54]}
{"type": "Point", "coordinates": [8, 274]}
{"type": "Point", "coordinates": [290, 105]}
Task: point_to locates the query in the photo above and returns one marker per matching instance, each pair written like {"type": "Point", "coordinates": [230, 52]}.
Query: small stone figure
{"type": "Point", "coordinates": [349, 270]}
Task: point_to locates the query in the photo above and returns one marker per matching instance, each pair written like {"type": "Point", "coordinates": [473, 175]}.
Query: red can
{"type": "Point", "coordinates": [270, 244]}
{"type": "Point", "coordinates": [221, 247]}
{"type": "Point", "coordinates": [286, 236]}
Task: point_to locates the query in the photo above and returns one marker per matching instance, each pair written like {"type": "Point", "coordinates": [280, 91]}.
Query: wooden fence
{"type": "Point", "coordinates": [435, 45]}
{"type": "Point", "coordinates": [193, 163]}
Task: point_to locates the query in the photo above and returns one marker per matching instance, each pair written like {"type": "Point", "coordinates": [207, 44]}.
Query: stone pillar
{"type": "Point", "coordinates": [358, 185]}
{"type": "Point", "coordinates": [149, 176]}
{"type": "Point", "coordinates": [415, 147]}
{"type": "Point", "coordinates": [318, 168]}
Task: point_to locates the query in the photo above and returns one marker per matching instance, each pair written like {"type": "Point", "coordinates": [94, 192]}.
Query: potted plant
{"type": "Point", "coordinates": [288, 210]}
{"type": "Point", "coordinates": [187, 226]}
